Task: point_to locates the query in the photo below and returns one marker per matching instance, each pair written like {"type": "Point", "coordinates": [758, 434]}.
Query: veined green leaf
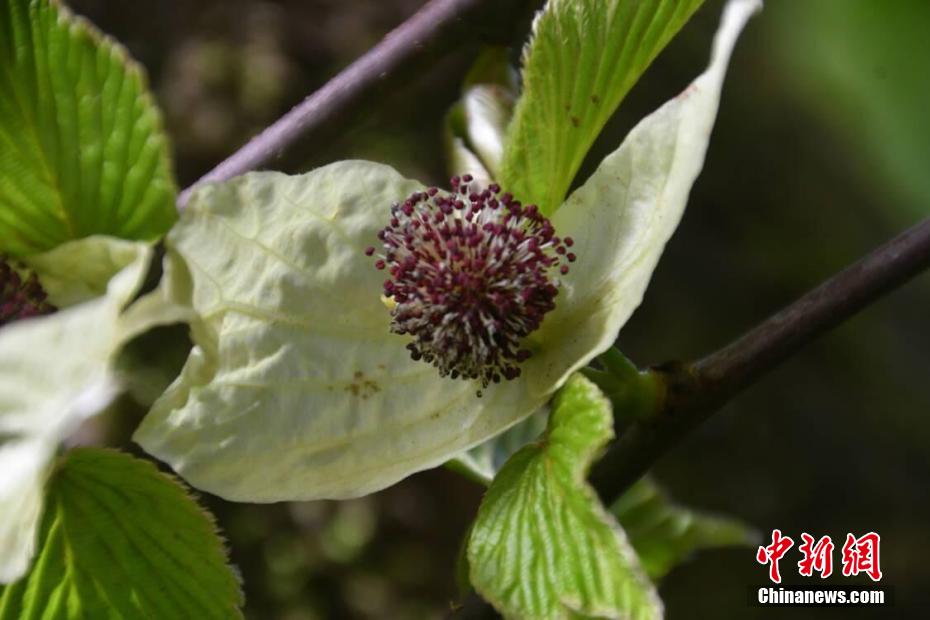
{"type": "Point", "coordinates": [664, 534]}
{"type": "Point", "coordinates": [121, 540]}
{"type": "Point", "coordinates": [542, 545]}
{"type": "Point", "coordinates": [81, 144]}
{"type": "Point", "coordinates": [584, 57]}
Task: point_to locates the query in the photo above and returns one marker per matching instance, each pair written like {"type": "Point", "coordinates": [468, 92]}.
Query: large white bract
{"type": "Point", "coordinates": [55, 372]}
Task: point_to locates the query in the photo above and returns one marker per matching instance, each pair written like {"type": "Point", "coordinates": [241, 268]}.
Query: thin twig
{"type": "Point", "coordinates": [695, 391]}
{"type": "Point", "coordinates": [439, 27]}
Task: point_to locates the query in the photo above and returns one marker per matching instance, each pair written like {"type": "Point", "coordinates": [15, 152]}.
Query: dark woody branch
{"type": "Point", "coordinates": [692, 392]}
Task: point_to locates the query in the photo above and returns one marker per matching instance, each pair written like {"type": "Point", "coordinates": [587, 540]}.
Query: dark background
{"type": "Point", "coordinates": [821, 151]}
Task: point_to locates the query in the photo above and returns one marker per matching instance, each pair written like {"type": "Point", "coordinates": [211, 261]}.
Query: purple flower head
{"type": "Point", "coordinates": [471, 275]}
{"type": "Point", "coordinates": [20, 297]}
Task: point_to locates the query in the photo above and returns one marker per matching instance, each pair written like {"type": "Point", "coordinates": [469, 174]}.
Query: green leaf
{"type": "Point", "coordinates": [121, 540]}
{"type": "Point", "coordinates": [81, 145]}
{"type": "Point", "coordinates": [542, 545]}
{"type": "Point", "coordinates": [584, 57]}
{"type": "Point", "coordinates": [665, 534]}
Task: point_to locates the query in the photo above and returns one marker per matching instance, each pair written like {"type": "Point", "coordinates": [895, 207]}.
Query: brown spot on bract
{"type": "Point", "coordinates": [576, 121]}
{"type": "Point", "coordinates": [595, 99]}
{"type": "Point", "coordinates": [362, 387]}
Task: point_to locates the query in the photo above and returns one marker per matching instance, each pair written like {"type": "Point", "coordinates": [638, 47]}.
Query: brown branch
{"type": "Point", "coordinates": [696, 390]}
{"type": "Point", "coordinates": [440, 27]}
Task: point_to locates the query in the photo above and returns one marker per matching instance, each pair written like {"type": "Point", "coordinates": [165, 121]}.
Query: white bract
{"type": "Point", "coordinates": [55, 372]}
{"type": "Point", "coordinates": [296, 390]}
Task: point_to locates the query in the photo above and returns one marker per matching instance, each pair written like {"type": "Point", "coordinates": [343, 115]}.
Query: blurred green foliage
{"type": "Point", "coordinates": [862, 66]}
{"type": "Point", "coordinates": [818, 155]}
{"type": "Point", "coordinates": [664, 534]}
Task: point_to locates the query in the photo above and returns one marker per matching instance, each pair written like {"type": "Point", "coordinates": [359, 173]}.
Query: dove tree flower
{"type": "Point", "coordinates": [296, 387]}
{"type": "Point", "coordinates": [470, 278]}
